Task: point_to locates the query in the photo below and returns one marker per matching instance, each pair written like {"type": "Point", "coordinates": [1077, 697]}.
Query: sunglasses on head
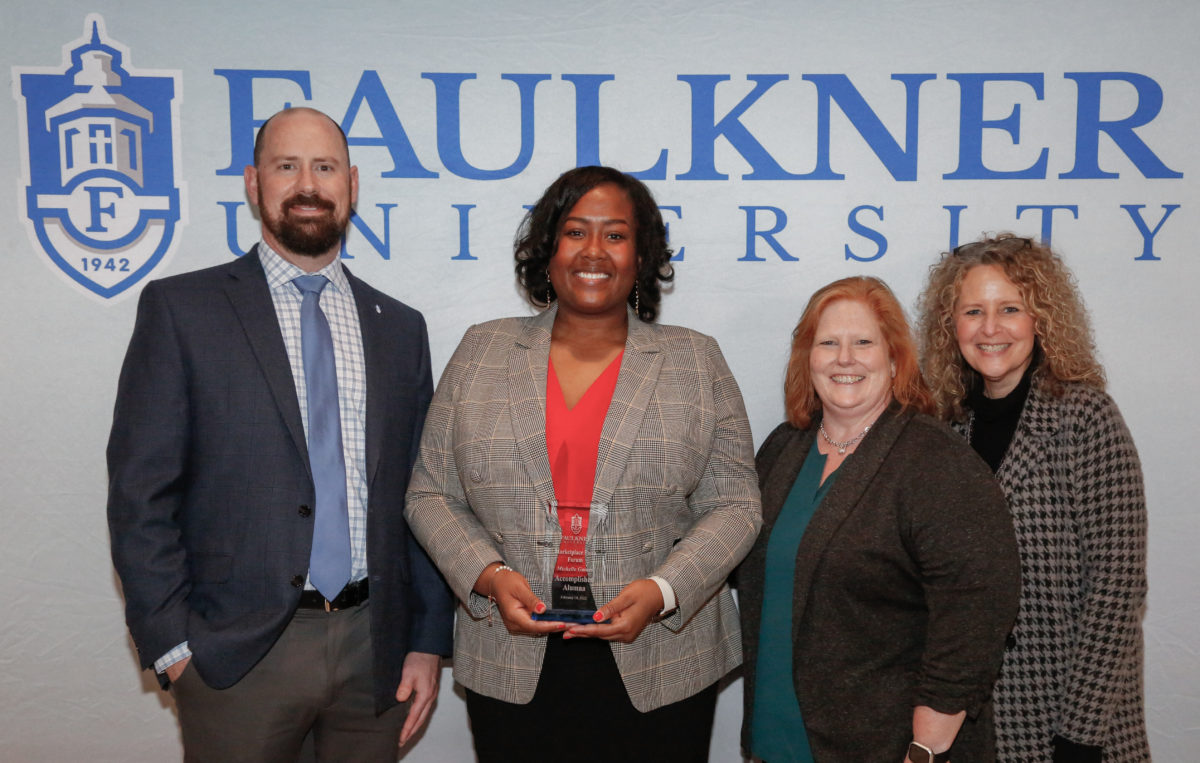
{"type": "Point", "coordinates": [1007, 245]}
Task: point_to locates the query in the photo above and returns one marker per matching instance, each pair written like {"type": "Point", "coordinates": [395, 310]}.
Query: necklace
{"type": "Point", "coordinates": [841, 446]}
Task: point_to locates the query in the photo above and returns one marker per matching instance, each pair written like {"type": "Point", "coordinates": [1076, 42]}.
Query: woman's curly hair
{"type": "Point", "coordinates": [1060, 320]}
{"type": "Point", "coordinates": [537, 238]}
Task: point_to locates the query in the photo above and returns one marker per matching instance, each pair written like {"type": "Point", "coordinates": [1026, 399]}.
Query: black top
{"type": "Point", "coordinates": [995, 420]}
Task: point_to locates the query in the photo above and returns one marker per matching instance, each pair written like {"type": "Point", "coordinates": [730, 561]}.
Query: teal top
{"type": "Point", "coordinates": [777, 729]}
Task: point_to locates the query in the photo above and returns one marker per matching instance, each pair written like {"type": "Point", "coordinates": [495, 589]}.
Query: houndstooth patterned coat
{"type": "Point", "coordinates": [1074, 662]}
{"type": "Point", "coordinates": [675, 471]}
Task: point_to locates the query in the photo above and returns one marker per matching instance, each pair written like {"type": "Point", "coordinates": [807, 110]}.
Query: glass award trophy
{"type": "Point", "coordinates": [570, 593]}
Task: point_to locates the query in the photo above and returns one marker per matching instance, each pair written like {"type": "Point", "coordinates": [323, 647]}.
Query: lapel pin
{"type": "Point", "coordinates": [378, 310]}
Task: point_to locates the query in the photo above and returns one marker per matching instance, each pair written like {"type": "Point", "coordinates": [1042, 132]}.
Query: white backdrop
{"type": "Point", "coordinates": [782, 76]}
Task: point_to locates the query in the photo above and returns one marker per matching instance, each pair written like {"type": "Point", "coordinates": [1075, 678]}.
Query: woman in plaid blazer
{"type": "Point", "coordinates": [675, 503]}
{"type": "Point", "coordinates": [1010, 358]}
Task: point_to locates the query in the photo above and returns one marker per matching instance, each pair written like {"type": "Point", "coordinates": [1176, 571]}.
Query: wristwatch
{"type": "Point", "coordinates": [919, 753]}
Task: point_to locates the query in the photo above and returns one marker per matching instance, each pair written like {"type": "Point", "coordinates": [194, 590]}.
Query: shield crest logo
{"type": "Point", "coordinates": [100, 186]}
{"type": "Point", "coordinates": [576, 524]}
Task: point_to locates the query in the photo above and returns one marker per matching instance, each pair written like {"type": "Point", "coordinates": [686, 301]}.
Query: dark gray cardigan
{"type": "Point", "coordinates": [907, 582]}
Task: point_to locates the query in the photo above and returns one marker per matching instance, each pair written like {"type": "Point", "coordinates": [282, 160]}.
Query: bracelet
{"type": "Point", "coordinates": [502, 567]}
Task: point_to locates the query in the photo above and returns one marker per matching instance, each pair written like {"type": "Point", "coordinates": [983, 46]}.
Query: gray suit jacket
{"type": "Point", "coordinates": [675, 470]}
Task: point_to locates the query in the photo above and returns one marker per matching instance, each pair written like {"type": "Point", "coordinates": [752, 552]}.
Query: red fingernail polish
{"type": "Point", "coordinates": [598, 617]}
{"type": "Point", "coordinates": [540, 608]}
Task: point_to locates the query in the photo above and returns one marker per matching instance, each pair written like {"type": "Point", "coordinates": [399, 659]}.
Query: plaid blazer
{"type": "Point", "coordinates": [675, 470]}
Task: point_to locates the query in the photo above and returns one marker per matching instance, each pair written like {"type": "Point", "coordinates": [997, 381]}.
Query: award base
{"type": "Point", "coordinates": [572, 616]}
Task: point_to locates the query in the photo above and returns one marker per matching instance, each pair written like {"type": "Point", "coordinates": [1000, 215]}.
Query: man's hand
{"type": "Point", "coordinates": [175, 669]}
{"type": "Point", "coordinates": [418, 683]}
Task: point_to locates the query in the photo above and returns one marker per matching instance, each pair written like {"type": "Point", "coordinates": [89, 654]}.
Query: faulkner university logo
{"type": "Point", "coordinates": [99, 185]}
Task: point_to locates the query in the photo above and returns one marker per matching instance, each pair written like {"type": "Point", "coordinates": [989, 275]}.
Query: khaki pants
{"type": "Point", "coordinates": [316, 679]}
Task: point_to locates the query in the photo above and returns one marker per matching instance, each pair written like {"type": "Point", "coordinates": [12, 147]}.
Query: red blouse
{"type": "Point", "coordinates": [573, 442]}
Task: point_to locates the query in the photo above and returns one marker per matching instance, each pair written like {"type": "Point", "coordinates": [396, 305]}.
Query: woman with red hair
{"type": "Point", "coordinates": [876, 601]}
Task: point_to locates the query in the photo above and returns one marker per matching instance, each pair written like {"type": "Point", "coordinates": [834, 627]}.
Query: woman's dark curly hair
{"type": "Point", "coordinates": [537, 238]}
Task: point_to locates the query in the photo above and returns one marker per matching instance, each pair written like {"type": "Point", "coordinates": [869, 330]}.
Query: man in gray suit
{"type": "Point", "coordinates": [268, 408]}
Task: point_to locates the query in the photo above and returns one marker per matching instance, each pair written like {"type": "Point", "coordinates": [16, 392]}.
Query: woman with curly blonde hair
{"type": "Point", "coordinates": [1010, 359]}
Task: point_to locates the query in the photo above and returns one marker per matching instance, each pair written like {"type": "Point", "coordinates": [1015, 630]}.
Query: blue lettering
{"type": "Point", "coordinates": [971, 125]}
{"type": "Point", "coordinates": [392, 136]}
{"type": "Point", "coordinates": [242, 123]}
{"type": "Point", "coordinates": [752, 232]}
{"type": "Point", "coordinates": [678, 256]}
{"type": "Point", "coordinates": [901, 163]}
{"type": "Point", "coordinates": [1047, 216]}
{"type": "Point", "coordinates": [587, 116]}
{"type": "Point", "coordinates": [955, 211]}
{"type": "Point", "coordinates": [464, 232]}
{"type": "Point", "coordinates": [1148, 235]}
{"type": "Point", "coordinates": [382, 246]}
{"type": "Point", "coordinates": [231, 227]}
{"type": "Point", "coordinates": [1089, 125]}
{"type": "Point", "coordinates": [587, 125]}
{"type": "Point", "coordinates": [93, 192]}
{"type": "Point", "coordinates": [706, 129]}
{"type": "Point", "coordinates": [448, 87]}
{"type": "Point", "coordinates": [880, 240]}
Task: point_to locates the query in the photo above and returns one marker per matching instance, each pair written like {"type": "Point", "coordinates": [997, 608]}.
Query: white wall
{"type": "Point", "coordinates": [69, 684]}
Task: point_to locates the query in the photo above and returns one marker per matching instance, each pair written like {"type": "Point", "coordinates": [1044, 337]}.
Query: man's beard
{"type": "Point", "coordinates": [310, 236]}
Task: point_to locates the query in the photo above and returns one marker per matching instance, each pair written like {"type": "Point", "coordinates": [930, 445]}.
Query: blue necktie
{"type": "Point", "coordinates": [329, 564]}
